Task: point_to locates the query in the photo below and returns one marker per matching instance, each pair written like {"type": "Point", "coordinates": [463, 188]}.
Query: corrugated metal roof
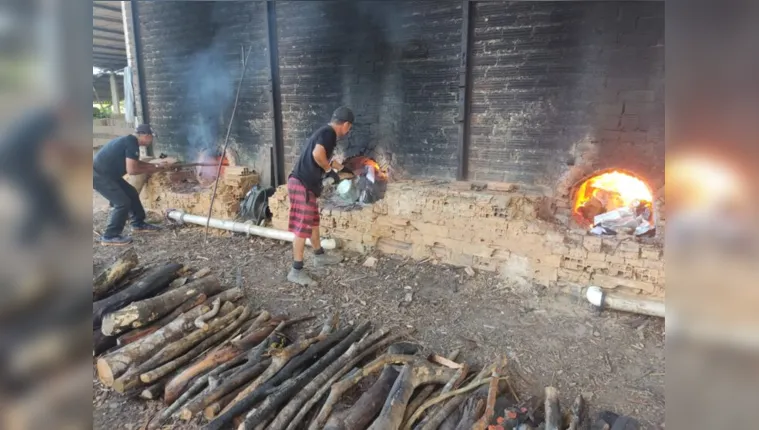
{"type": "Point", "coordinates": [108, 43]}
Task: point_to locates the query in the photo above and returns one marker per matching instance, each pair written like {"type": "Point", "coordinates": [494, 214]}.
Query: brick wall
{"type": "Point", "coordinates": [394, 63]}
{"type": "Point", "coordinates": [173, 35]}
{"type": "Point", "coordinates": [559, 88]}
{"type": "Point", "coordinates": [563, 84]}
{"type": "Point", "coordinates": [494, 231]}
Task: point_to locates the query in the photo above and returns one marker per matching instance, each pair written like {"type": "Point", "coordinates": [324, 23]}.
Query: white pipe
{"type": "Point", "coordinates": [243, 227]}
{"type": "Point", "coordinates": [600, 298]}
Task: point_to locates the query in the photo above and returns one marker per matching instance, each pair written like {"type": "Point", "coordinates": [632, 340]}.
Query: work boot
{"type": "Point", "coordinates": [300, 277]}
{"type": "Point", "coordinates": [321, 260]}
{"type": "Point", "coordinates": [144, 227]}
{"type": "Point", "coordinates": [115, 240]}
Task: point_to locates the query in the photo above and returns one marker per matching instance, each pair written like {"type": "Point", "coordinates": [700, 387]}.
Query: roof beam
{"type": "Point", "coordinates": [105, 55]}
{"type": "Point", "coordinates": [105, 7]}
{"type": "Point", "coordinates": [108, 39]}
{"type": "Point", "coordinates": [107, 19]}
{"type": "Point", "coordinates": [112, 48]}
{"type": "Point", "coordinates": [106, 30]}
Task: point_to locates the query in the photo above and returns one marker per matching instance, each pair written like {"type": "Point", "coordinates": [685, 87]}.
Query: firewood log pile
{"type": "Point", "coordinates": [173, 334]}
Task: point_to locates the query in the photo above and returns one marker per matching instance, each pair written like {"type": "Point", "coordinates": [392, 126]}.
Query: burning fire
{"type": "Point", "coordinates": [609, 191]}
{"type": "Point", "coordinates": [359, 164]}
{"type": "Point", "coordinates": [207, 174]}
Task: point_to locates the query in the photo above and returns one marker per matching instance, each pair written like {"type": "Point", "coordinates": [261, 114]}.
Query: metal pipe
{"type": "Point", "coordinates": [601, 298]}
{"type": "Point", "coordinates": [242, 227]}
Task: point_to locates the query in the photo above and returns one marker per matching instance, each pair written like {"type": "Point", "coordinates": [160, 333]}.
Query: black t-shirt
{"type": "Point", "coordinates": [111, 159]}
{"type": "Point", "coordinates": [20, 149]}
{"type": "Point", "coordinates": [306, 169]}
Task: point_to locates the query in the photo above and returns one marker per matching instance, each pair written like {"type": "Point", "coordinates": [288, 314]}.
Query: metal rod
{"type": "Point", "coordinates": [465, 89]}
{"type": "Point", "coordinates": [226, 141]}
{"type": "Point", "coordinates": [278, 150]}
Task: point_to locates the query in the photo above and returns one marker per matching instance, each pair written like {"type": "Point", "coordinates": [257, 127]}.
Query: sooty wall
{"type": "Point", "coordinates": [394, 63]}
{"type": "Point", "coordinates": [559, 88]}
{"type": "Point", "coordinates": [192, 60]}
{"type": "Point", "coordinates": [564, 84]}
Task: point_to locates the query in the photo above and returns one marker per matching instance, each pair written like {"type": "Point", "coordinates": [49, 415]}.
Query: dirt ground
{"type": "Point", "coordinates": [615, 360]}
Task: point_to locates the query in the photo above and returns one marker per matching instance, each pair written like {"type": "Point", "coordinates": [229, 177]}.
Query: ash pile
{"type": "Point", "coordinates": [362, 183]}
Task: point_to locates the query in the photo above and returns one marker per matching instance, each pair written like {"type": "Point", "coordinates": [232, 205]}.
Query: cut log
{"type": "Point", "coordinates": [101, 343]}
{"type": "Point", "coordinates": [302, 412]}
{"type": "Point", "coordinates": [154, 281]}
{"type": "Point", "coordinates": [411, 377]}
{"type": "Point", "coordinates": [153, 391]}
{"type": "Point", "coordinates": [113, 365]}
{"type": "Point", "coordinates": [285, 415]}
{"type": "Point", "coordinates": [228, 385]}
{"type": "Point", "coordinates": [455, 404]}
{"type": "Point", "coordinates": [199, 274]}
{"type": "Point", "coordinates": [105, 281]}
{"type": "Point", "coordinates": [552, 409]}
{"type": "Point", "coordinates": [577, 412]}
{"type": "Point", "coordinates": [141, 313]}
{"type": "Point", "coordinates": [244, 403]}
{"type": "Point", "coordinates": [215, 358]}
{"type": "Point", "coordinates": [265, 412]}
{"type": "Point", "coordinates": [478, 380]}
{"type": "Point", "coordinates": [366, 408]}
{"type": "Point", "coordinates": [426, 391]}
{"type": "Point", "coordinates": [489, 414]}
{"type": "Point", "coordinates": [211, 411]}
{"type": "Point", "coordinates": [281, 359]}
{"type": "Point", "coordinates": [209, 342]}
{"type": "Point", "coordinates": [182, 348]}
{"type": "Point", "coordinates": [473, 409]}
{"type": "Point", "coordinates": [454, 383]}
{"type": "Point", "coordinates": [137, 334]}
{"type": "Point", "coordinates": [200, 322]}
{"type": "Point", "coordinates": [211, 360]}
{"type": "Point", "coordinates": [339, 388]}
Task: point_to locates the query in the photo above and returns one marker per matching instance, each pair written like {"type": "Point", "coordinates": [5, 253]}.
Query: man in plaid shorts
{"type": "Point", "coordinates": [304, 186]}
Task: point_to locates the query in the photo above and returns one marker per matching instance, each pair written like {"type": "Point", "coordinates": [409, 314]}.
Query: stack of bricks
{"type": "Point", "coordinates": [180, 190]}
{"type": "Point", "coordinates": [497, 230]}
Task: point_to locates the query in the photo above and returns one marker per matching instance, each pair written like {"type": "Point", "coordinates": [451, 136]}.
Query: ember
{"type": "Point", "coordinates": [365, 186]}
{"type": "Point", "coordinates": [614, 201]}
{"type": "Point", "coordinates": [207, 174]}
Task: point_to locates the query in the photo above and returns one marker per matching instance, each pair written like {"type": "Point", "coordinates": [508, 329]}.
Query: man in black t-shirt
{"type": "Point", "coordinates": [114, 160]}
{"type": "Point", "coordinates": [304, 186]}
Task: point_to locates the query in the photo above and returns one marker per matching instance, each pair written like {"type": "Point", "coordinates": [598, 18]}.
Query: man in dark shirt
{"type": "Point", "coordinates": [114, 160]}
{"type": "Point", "coordinates": [304, 186]}
{"type": "Point", "coordinates": [21, 153]}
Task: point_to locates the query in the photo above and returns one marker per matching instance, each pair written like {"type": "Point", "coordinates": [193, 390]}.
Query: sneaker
{"type": "Point", "coordinates": [321, 260]}
{"type": "Point", "coordinates": [145, 227]}
{"type": "Point", "coordinates": [115, 240]}
{"type": "Point", "coordinates": [300, 277]}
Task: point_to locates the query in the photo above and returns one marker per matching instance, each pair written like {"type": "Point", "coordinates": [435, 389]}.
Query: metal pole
{"type": "Point", "coordinates": [465, 89]}
{"type": "Point", "coordinates": [115, 99]}
{"type": "Point", "coordinates": [278, 153]}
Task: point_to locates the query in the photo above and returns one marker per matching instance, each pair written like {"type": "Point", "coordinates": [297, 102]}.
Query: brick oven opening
{"type": "Point", "coordinates": [363, 183]}
{"type": "Point", "coordinates": [209, 160]}
{"type": "Point", "coordinates": [614, 202]}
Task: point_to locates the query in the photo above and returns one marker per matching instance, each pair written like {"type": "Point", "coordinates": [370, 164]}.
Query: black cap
{"type": "Point", "coordinates": [143, 129]}
{"type": "Point", "coordinates": [343, 114]}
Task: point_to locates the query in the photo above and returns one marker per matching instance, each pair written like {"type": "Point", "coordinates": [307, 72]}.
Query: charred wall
{"type": "Point", "coordinates": [394, 63]}
{"type": "Point", "coordinates": [192, 54]}
{"type": "Point", "coordinates": [562, 88]}
{"type": "Point", "coordinates": [558, 88]}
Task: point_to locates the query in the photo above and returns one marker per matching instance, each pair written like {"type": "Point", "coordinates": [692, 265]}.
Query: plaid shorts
{"type": "Point", "coordinates": [304, 212]}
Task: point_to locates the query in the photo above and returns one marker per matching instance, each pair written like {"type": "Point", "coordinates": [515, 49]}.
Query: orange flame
{"type": "Point", "coordinates": [612, 190]}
